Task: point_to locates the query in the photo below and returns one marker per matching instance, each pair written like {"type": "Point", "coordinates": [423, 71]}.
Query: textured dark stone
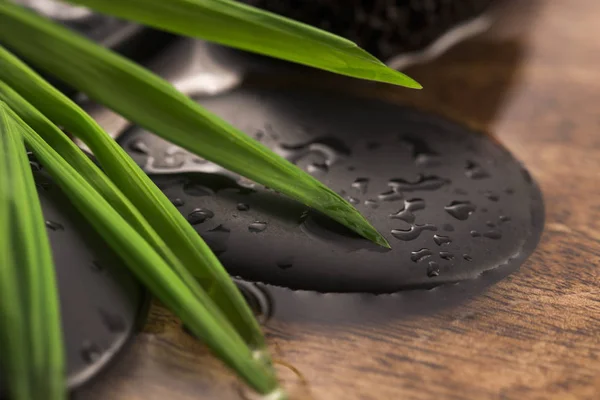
{"type": "Point", "coordinates": [416, 168]}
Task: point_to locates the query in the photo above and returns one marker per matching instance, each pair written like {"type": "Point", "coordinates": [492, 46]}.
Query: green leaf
{"type": "Point", "coordinates": [142, 97]}
{"type": "Point", "coordinates": [148, 265]}
{"type": "Point", "coordinates": [216, 279]}
{"type": "Point", "coordinates": [31, 337]}
{"type": "Point", "coordinates": [238, 25]}
{"type": "Point", "coordinates": [173, 229]}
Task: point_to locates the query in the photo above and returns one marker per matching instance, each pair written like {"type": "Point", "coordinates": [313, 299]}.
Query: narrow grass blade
{"type": "Point", "coordinates": [148, 265]}
{"type": "Point", "coordinates": [104, 186]}
{"type": "Point", "coordinates": [235, 24]}
{"type": "Point", "coordinates": [142, 97]}
{"type": "Point", "coordinates": [167, 221]}
{"type": "Point", "coordinates": [29, 309]}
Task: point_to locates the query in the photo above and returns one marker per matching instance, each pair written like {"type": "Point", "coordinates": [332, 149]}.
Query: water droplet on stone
{"type": "Point", "coordinates": [353, 200]}
{"type": "Point", "coordinates": [424, 182]}
{"type": "Point", "coordinates": [55, 226]}
{"type": "Point", "coordinates": [475, 171]}
{"type": "Point", "coordinates": [413, 232]}
{"type": "Point", "coordinates": [422, 153]}
{"type": "Point", "coordinates": [361, 185]}
{"type": "Point", "coordinates": [420, 255]}
{"type": "Point", "coordinates": [286, 263]}
{"type": "Point", "coordinates": [504, 218]}
{"type": "Point", "coordinates": [493, 234]}
{"type": "Point", "coordinates": [446, 255]}
{"type": "Point", "coordinates": [371, 203]}
{"type": "Point", "coordinates": [178, 202]}
{"type": "Point", "coordinates": [317, 169]}
{"type": "Point", "coordinates": [199, 215]}
{"type": "Point", "coordinates": [138, 146]}
{"type": "Point", "coordinates": [441, 240]}
{"type": "Point", "coordinates": [433, 270]}
{"type": "Point", "coordinates": [491, 196]}
{"type": "Point", "coordinates": [90, 352]}
{"type": "Point", "coordinates": [490, 224]}
{"type": "Point", "coordinates": [448, 228]}
{"type": "Point", "coordinates": [243, 207]}
{"type": "Point", "coordinates": [114, 323]}
{"type": "Point", "coordinates": [475, 234]}
{"type": "Point", "coordinates": [390, 195]}
{"type": "Point", "coordinates": [460, 209]}
{"type": "Point", "coordinates": [467, 257]}
{"type": "Point", "coordinates": [257, 226]}
{"type": "Point", "coordinates": [407, 212]}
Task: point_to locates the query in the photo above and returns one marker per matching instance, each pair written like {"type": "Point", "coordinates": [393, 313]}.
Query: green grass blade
{"type": "Point", "coordinates": [148, 265]}
{"type": "Point", "coordinates": [167, 221]}
{"type": "Point", "coordinates": [235, 24]}
{"type": "Point", "coordinates": [153, 103]}
{"type": "Point", "coordinates": [29, 307]}
{"type": "Point", "coordinates": [87, 169]}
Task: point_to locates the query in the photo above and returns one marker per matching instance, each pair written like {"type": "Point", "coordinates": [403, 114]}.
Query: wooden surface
{"type": "Point", "coordinates": [533, 82]}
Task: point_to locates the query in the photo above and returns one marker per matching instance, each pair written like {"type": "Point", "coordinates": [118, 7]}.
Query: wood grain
{"type": "Point", "coordinates": [533, 82]}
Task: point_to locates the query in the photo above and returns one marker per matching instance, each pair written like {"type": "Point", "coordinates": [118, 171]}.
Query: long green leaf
{"type": "Point", "coordinates": [174, 230]}
{"type": "Point", "coordinates": [31, 342]}
{"type": "Point", "coordinates": [142, 97]}
{"type": "Point", "coordinates": [235, 24]}
{"type": "Point", "coordinates": [147, 264]}
{"type": "Point", "coordinates": [236, 311]}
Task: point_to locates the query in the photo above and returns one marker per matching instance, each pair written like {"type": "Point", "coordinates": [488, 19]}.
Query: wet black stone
{"type": "Point", "coordinates": [336, 130]}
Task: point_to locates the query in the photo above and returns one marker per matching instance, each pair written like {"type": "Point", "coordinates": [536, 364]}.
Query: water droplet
{"type": "Point", "coordinates": [138, 146]}
{"type": "Point", "coordinates": [413, 232]}
{"type": "Point", "coordinates": [371, 203]}
{"type": "Point", "coordinates": [407, 212]}
{"type": "Point", "coordinates": [90, 352]}
{"type": "Point", "coordinates": [177, 202]}
{"type": "Point", "coordinates": [257, 226]}
{"type": "Point", "coordinates": [199, 215]}
{"type": "Point", "coordinates": [430, 182]}
{"type": "Point", "coordinates": [460, 209]}
{"type": "Point", "coordinates": [390, 195]}
{"type": "Point", "coordinates": [353, 200]}
{"type": "Point", "coordinates": [493, 234]}
{"type": "Point", "coordinates": [35, 166]}
{"type": "Point", "coordinates": [504, 218]}
{"type": "Point", "coordinates": [448, 228]}
{"type": "Point", "coordinates": [317, 169]}
{"type": "Point", "coordinates": [286, 263]}
{"type": "Point", "coordinates": [491, 196]}
{"type": "Point", "coordinates": [243, 207]}
{"type": "Point", "coordinates": [433, 270]}
{"type": "Point", "coordinates": [475, 234]}
{"type": "Point", "coordinates": [467, 257]}
{"type": "Point", "coordinates": [329, 149]}
{"type": "Point", "coordinates": [441, 240]}
{"type": "Point", "coordinates": [113, 322]}
{"type": "Point", "coordinates": [490, 224]}
{"type": "Point", "coordinates": [423, 155]}
{"type": "Point", "coordinates": [55, 226]}
{"type": "Point", "coordinates": [361, 184]}
{"type": "Point", "coordinates": [446, 255]}
{"type": "Point", "coordinates": [475, 171]}
{"type": "Point", "coordinates": [420, 255]}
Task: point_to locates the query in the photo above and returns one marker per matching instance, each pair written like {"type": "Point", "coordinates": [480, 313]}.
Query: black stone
{"type": "Point", "coordinates": [101, 303]}
{"type": "Point", "coordinates": [335, 130]}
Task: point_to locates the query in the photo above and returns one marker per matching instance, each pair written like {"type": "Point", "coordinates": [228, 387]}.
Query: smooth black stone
{"type": "Point", "coordinates": [101, 303]}
{"type": "Point", "coordinates": [310, 128]}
